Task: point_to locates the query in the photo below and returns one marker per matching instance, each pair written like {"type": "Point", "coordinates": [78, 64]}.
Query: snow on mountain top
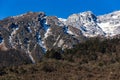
{"type": "Point", "coordinates": [107, 25]}
{"type": "Point", "coordinates": [84, 17]}
{"type": "Point", "coordinates": [86, 22]}
{"type": "Point", "coordinates": [115, 12]}
{"type": "Point", "coordinates": [112, 13]}
{"type": "Point", "coordinates": [110, 23]}
{"type": "Point", "coordinates": [62, 19]}
{"type": "Point", "coordinates": [111, 16]}
{"type": "Point", "coordinates": [86, 13]}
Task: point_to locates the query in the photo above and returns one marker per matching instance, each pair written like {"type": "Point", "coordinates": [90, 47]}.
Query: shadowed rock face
{"type": "Point", "coordinates": [34, 33]}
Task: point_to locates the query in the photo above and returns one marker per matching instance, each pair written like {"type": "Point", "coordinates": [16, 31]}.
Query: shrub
{"type": "Point", "coordinates": [53, 54]}
{"type": "Point", "coordinates": [47, 68]}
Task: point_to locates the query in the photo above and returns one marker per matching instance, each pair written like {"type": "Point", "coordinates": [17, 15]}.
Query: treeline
{"type": "Point", "coordinates": [91, 50]}
{"type": "Point", "coordinates": [13, 57]}
{"type": "Point", "coordinates": [94, 59]}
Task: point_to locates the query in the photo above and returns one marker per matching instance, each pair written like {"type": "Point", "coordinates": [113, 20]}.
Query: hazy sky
{"type": "Point", "coordinates": [60, 8]}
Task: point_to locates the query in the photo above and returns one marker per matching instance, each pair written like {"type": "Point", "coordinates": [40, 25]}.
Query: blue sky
{"type": "Point", "coordinates": [60, 8]}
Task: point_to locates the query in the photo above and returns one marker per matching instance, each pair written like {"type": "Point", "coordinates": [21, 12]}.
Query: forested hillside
{"type": "Point", "coordinates": [94, 59]}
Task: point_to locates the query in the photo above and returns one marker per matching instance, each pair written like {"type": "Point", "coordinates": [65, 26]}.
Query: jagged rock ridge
{"type": "Point", "coordinates": [34, 33]}
{"type": "Point", "coordinates": [107, 25]}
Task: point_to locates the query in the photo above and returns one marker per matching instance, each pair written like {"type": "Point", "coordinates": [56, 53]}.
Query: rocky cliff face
{"type": "Point", "coordinates": [90, 25]}
{"type": "Point", "coordinates": [86, 22]}
{"type": "Point", "coordinates": [34, 33]}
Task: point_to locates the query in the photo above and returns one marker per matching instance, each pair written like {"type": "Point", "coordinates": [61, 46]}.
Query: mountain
{"type": "Point", "coordinates": [34, 33]}
{"type": "Point", "coordinates": [91, 25]}
{"type": "Point", "coordinates": [110, 23]}
{"type": "Point", "coordinates": [86, 22]}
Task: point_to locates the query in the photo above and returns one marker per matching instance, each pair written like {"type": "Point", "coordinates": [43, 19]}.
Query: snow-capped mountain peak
{"type": "Point", "coordinates": [34, 33]}
{"type": "Point", "coordinates": [92, 25]}
{"type": "Point", "coordinates": [86, 22]}
{"type": "Point", "coordinates": [62, 19]}
{"type": "Point", "coordinates": [110, 23]}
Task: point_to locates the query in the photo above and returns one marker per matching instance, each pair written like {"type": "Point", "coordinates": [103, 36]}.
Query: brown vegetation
{"type": "Point", "coordinates": [91, 60]}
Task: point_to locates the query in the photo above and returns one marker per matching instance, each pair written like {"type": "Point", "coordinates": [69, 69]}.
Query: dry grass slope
{"type": "Point", "coordinates": [84, 62]}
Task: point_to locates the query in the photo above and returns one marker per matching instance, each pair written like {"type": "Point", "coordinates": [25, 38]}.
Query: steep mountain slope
{"type": "Point", "coordinates": [91, 60]}
{"type": "Point", "coordinates": [91, 25]}
{"type": "Point", "coordinates": [34, 33]}
{"type": "Point", "coordinates": [110, 23]}
{"type": "Point", "coordinates": [85, 22]}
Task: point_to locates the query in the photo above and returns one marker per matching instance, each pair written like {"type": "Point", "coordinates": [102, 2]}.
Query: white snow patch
{"type": "Point", "coordinates": [48, 32]}
{"type": "Point", "coordinates": [10, 40]}
{"type": "Point", "coordinates": [46, 22]}
{"type": "Point", "coordinates": [32, 59]}
{"type": "Point", "coordinates": [115, 17]}
{"type": "Point", "coordinates": [29, 29]}
{"type": "Point", "coordinates": [62, 19]}
{"type": "Point", "coordinates": [56, 40]}
{"type": "Point", "coordinates": [66, 30]}
{"type": "Point", "coordinates": [107, 28]}
{"type": "Point", "coordinates": [70, 32]}
{"type": "Point", "coordinates": [60, 43]}
{"type": "Point", "coordinates": [41, 43]}
{"type": "Point", "coordinates": [14, 31]}
{"type": "Point", "coordinates": [29, 54]}
{"type": "Point", "coordinates": [12, 34]}
{"type": "Point", "coordinates": [45, 25]}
